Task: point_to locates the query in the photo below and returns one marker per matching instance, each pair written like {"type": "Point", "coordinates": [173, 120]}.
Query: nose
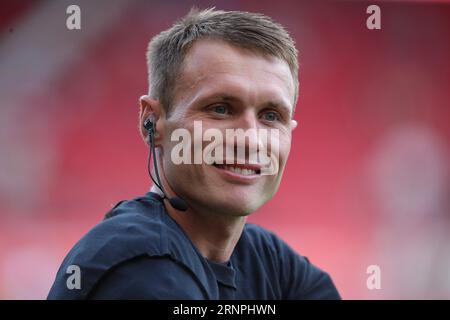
{"type": "Point", "coordinates": [246, 125]}
{"type": "Point", "coordinates": [247, 120]}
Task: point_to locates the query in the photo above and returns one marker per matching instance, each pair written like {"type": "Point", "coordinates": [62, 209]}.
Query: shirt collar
{"type": "Point", "coordinates": [224, 272]}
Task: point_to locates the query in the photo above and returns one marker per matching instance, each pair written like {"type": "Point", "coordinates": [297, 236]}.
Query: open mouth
{"type": "Point", "coordinates": [243, 169]}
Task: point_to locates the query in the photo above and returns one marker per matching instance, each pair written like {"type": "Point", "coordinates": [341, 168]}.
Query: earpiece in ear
{"type": "Point", "coordinates": [175, 202]}
{"type": "Point", "coordinates": [148, 124]}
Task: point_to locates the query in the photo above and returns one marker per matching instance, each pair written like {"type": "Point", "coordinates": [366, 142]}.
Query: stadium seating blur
{"type": "Point", "coordinates": [367, 181]}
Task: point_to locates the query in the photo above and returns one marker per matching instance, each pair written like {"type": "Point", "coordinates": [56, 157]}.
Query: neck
{"type": "Point", "coordinates": [215, 236]}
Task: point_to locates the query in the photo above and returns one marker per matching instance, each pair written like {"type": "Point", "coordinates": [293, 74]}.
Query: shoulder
{"type": "Point", "coordinates": [148, 278]}
{"type": "Point", "coordinates": [268, 242]}
{"type": "Point", "coordinates": [133, 228]}
{"type": "Point", "coordinates": [296, 275]}
{"type": "Point", "coordinates": [259, 237]}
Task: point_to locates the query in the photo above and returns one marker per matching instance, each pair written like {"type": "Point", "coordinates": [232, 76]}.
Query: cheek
{"type": "Point", "coordinates": [284, 149]}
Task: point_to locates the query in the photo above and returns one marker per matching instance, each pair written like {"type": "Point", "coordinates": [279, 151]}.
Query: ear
{"type": "Point", "coordinates": [293, 124]}
{"type": "Point", "coordinates": [149, 108]}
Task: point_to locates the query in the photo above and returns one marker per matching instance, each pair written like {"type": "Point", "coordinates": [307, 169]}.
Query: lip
{"type": "Point", "coordinates": [252, 166]}
{"type": "Point", "coordinates": [237, 177]}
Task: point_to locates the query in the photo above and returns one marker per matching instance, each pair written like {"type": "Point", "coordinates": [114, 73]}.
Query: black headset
{"type": "Point", "coordinates": [175, 202]}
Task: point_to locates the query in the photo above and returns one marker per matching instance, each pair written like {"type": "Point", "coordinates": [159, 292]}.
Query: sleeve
{"type": "Point", "coordinates": [149, 278]}
{"type": "Point", "coordinates": [300, 279]}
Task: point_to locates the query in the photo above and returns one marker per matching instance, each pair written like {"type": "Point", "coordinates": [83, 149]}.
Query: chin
{"type": "Point", "coordinates": [239, 204]}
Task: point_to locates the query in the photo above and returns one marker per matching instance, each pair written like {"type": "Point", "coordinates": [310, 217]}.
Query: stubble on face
{"type": "Point", "coordinates": [213, 70]}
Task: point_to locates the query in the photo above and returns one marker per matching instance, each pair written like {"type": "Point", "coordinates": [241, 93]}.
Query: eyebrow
{"type": "Point", "coordinates": [269, 104]}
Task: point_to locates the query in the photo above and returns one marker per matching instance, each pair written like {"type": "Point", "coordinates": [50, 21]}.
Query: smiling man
{"type": "Point", "coordinates": [230, 72]}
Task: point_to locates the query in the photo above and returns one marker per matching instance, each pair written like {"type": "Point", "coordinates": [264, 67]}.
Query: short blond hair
{"type": "Point", "coordinates": [253, 31]}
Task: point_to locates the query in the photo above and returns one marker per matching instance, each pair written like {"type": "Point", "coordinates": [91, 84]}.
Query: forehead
{"type": "Point", "coordinates": [211, 65]}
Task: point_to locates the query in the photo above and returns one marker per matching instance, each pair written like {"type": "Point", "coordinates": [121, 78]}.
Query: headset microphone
{"type": "Point", "coordinates": [175, 202]}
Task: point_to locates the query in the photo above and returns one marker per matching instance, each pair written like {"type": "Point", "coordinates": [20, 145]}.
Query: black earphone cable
{"type": "Point", "coordinates": [176, 202]}
{"type": "Point", "coordinates": [155, 165]}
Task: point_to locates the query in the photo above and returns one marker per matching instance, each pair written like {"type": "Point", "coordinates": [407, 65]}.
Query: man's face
{"type": "Point", "coordinates": [226, 87]}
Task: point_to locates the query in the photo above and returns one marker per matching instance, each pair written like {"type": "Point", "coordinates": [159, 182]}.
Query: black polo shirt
{"type": "Point", "coordinates": [140, 252]}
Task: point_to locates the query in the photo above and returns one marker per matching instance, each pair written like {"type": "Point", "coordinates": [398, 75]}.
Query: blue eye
{"type": "Point", "coordinates": [271, 116]}
{"type": "Point", "coordinates": [221, 109]}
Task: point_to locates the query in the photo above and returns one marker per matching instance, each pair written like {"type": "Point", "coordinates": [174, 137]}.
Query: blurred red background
{"type": "Point", "coordinates": [367, 182]}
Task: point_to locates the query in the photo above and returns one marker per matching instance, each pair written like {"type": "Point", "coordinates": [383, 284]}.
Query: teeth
{"type": "Point", "coordinates": [240, 170]}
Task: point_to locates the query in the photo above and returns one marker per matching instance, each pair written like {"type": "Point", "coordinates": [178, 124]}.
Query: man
{"type": "Point", "coordinates": [223, 70]}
